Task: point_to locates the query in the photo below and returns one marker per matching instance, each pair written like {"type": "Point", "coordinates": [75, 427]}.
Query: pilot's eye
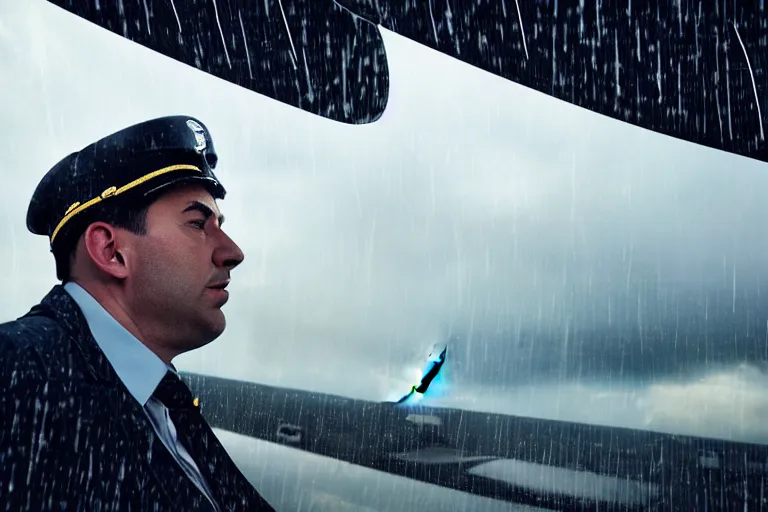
{"type": "Point", "coordinates": [198, 223]}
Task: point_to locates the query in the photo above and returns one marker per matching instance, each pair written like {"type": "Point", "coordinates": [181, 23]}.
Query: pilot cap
{"type": "Point", "coordinates": [126, 166]}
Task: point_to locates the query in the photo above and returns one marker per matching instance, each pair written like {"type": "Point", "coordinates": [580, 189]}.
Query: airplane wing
{"type": "Point", "coordinates": [312, 55]}
{"type": "Point", "coordinates": [691, 72]}
{"type": "Point", "coordinates": [549, 464]}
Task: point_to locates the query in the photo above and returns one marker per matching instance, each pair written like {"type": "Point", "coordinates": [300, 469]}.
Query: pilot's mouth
{"type": "Point", "coordinates": [218, 290]}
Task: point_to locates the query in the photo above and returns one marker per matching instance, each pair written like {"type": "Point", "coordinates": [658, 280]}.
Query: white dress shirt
{"type": "Point", "coordinates": [141, 371]}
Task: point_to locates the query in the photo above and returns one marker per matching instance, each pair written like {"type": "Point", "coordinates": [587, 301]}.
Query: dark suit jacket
{"type": "Point", "coordinates": [73, 438]}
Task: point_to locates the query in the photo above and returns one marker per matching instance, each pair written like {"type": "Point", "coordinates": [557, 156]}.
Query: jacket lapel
{"type": "Point", "coordinates": [160, 475]}
{"type": "Point", "coordinates": [232, 490]}
{"type": "Point", "coordinates": [170, 482]}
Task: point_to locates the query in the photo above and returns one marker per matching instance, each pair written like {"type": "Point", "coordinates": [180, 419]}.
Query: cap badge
{"type": "Point", "coordinates": [199, 133]}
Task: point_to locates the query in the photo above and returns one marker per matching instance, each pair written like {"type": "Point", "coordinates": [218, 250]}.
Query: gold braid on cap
{"type": "Point", "coordinates": [76, 207]}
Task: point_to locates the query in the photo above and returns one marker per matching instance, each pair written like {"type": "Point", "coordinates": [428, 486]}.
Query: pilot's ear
{"type": "Point", "coordinates": [101, 242]}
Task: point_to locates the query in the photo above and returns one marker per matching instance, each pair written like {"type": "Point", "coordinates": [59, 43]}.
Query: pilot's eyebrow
{"type": "Point", "coordinates": [204, 209]}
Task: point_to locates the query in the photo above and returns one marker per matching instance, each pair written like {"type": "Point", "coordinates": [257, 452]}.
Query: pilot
{"type": "Point", "coordinates": [93, 415]}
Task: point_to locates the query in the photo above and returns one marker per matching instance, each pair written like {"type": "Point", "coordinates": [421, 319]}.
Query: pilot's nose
{"type": "Point", "coordinates": [228, 255]}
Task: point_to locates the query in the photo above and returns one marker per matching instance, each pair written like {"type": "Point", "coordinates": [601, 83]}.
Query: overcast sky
{"type": "Point", "coordinates": [582, 269]}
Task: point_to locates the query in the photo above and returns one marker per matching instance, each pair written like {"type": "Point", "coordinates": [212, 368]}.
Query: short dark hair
{"type": "Point", "coordinates": [128, 215]}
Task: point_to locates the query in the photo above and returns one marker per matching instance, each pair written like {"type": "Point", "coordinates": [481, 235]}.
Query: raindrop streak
{"type": "Point", "coordinates": [734, 285]}
{"type": "Point", "coordinates": [245, 44]}
{"type": "Point", "coordinates": [752, 76]}
{"type": "Point", "coordinates": [432, 17]}
{"type": "Point", "coordinates": [658, 71]}
{"type": "Point", "coordinates": [522, 29]}
{"type": "Point", "coordinates": [310, 93]}
{"type": "Point", "coordinates": [221, 33]}
{"type": "Point", "coordinates": [290, 37]}
{"type": "Point", "coordinates": [178, 21]}
{"type": "Point", "coordinates": [728, 88]}
{"type": "Point", "coordinates": [717, 84]}
{"type": "Point", "coordinates": [146, 14]}
{"type": "Point", "coordinates": [617, 70]}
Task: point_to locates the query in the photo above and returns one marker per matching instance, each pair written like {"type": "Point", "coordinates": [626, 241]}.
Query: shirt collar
{"type": "Point", "coordinates": [135, 364]}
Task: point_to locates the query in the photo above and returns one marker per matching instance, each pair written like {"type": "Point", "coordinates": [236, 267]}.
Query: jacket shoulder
{"type": "Point", "coordinates": [32, 348]}
{"type": "Point", "coordinates": [40, 433]}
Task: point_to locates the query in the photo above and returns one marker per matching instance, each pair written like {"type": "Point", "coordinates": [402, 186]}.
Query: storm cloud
{"type": "Point", "coordinates": [581, 269]}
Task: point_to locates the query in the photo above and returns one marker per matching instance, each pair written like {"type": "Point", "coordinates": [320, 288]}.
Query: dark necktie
{"type": "Point", "coordinates": [228, 486]}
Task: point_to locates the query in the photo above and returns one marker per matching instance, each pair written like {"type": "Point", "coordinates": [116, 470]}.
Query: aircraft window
{"type": "Point", "coordinates": [287, 433]}
{"type": "Point", "coordinates": [577, 269]}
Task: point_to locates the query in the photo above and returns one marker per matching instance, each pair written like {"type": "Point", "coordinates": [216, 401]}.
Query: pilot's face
{"type": "Point", "coordinates": [181, 266]}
